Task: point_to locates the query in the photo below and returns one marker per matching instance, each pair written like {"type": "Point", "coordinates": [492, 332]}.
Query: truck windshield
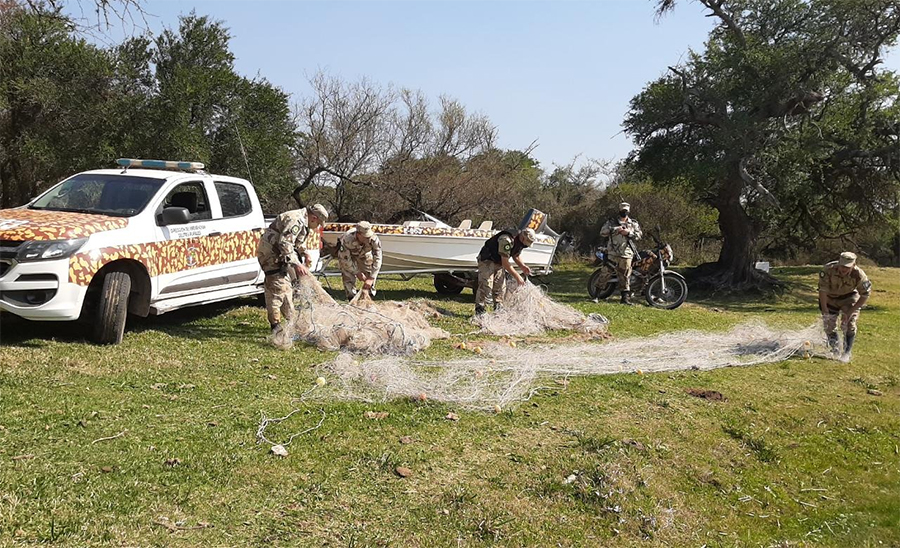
{"type": "Point", "coordinates": [102, 194]}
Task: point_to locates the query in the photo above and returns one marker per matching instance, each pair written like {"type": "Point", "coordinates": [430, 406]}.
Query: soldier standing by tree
{"type": "Point", "coordinates": [493, 260]}
{"type": "Point", "coordinates": [359, 258]}
{"type": "Point", "coordinates": [278, 256]}
{"type": "Point", "coordinates": [621, 234]}
{"type": "Point", "coordinates": [843, 289]}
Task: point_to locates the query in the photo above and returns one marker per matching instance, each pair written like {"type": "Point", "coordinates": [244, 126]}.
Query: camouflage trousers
{"type": "Point", "coordinates": [350, 267]}
{"type": "Point", "coordinates": [623, 272]}
{"type": "Point", "coordinates": [277, 286]}
{"type": "Point", "coordinates": [842, 307]}
{"type": "Point", "coordinates": [279, 298]}
{"type": "Point", "coordinates": [491, 280]}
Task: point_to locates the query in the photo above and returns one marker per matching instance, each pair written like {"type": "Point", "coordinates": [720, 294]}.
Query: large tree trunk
{"type": "Point", "coordinates": [738, 236]}
{"type": "Point", "coordinates": [734, 271]}
{"type": "Point", "coordinates": [5, 187]}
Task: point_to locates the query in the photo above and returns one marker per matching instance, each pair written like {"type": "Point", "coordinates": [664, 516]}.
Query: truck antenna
{"type": "Point", "coordinates": [243, 151]}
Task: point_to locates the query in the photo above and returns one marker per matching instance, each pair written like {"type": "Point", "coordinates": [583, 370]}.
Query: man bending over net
{"type": "Point", "coordinates": [494, 260]}
{"type": "Point", "coordinates": [843, 289]}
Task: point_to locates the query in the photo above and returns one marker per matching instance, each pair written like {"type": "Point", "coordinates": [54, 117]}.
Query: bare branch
{"type": "Point", "coordinates": [716, 7]}
{"type": "Point", "coordinates": [751, 182]}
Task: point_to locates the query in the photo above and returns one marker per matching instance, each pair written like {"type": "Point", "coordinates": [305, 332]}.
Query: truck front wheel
{"type": "Point", "coordinates": [112, 309]}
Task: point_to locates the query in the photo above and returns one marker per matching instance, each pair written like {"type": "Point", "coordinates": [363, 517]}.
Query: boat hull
{"type": "Point", "coordinates": [435, 253]}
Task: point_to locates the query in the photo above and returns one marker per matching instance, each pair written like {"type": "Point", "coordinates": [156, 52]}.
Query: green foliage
{"type": "Point", "coordinates": [68, 105]}
{"type": "Point", "coordinates": [207, 112]}
{"type": "Point", "coordinates": [52, 87]}
{"type": "Point", "coordinates": [785, 123]}
{"type": "Point", "coordinates": [580, 210]}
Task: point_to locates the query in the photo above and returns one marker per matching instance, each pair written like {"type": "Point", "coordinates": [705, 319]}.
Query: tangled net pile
{"type": "Point", "coordinates": [529, 311]}
{"type": "Point", "coordinates": [361, 326]}
{"type": "Point", "coordinates": [504, 374]}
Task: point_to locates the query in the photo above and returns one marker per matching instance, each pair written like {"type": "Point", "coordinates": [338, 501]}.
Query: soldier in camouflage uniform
{"type": "Point", "coordinates": [621, 234]}
{"type": "Point", "coordinates": [843, 289]}
{"type": "Point", "coordinates": [359, 258]}
{"type": "Point", "coordinates": [279, 253]}
{"type": "Point", "coordinates": [493, 262]}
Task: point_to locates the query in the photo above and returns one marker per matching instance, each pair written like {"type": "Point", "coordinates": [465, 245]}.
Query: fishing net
{"type": "Point", "coordinates": [503, 373]}
{"type": "Point", "coordinates": [361, 326]}
{"type": "Point", "coordinates": [527, 310]}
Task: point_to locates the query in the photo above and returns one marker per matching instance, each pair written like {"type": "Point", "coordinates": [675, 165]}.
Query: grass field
{"type": "Point", "coordinates": [801, 453]}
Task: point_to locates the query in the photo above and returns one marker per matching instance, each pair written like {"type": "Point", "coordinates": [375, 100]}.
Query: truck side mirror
{"type": "Point", "coordinates": [175, 216]}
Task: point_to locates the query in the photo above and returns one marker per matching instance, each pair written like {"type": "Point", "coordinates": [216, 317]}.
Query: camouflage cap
{"type": "Point", "coordinates": [319, 211]}
{"type": "Point", "coordinates": [625, 205]}
{"type": "Point", "coordinates": [365, 228]}
{"type": "Point", "coordinates": [847, 259]}
{"type": "Point", "coordinates": [528, 236]}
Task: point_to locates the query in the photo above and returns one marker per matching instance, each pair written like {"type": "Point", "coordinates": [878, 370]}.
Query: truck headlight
{"type": "Point", "coordinates": [47, 250]}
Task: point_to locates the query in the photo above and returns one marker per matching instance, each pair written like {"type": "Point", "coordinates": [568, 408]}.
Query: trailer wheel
{"type": "Point", "coordinates": [112, 310]}
{"type": "Point", "coordinates": [447, 285]}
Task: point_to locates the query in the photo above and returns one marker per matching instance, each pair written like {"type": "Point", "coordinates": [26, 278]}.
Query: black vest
{"type": "Point", "coordinates": [491, 249]}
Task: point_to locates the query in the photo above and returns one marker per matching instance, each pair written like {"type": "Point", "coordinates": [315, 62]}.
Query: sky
{"type": "Point", "coordinates": [560, 73]}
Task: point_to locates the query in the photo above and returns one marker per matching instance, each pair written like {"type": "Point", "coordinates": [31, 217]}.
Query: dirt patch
{"type": "Point", "coordinates": [634, 443]}
{"type": "Point", "coordinates": [710, 395]}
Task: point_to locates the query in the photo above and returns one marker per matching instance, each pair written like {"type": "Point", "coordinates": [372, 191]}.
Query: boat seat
{"type": "Point", "coordinates": [487, 225]}
{"type": "Point", "coordinates": [465, 225]}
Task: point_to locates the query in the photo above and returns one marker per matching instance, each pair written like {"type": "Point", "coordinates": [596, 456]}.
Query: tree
{"type": "Point", "coordinates": [203, 110]}
{"type": "Point", "coordinates": [67, 105]}
{"type": "Point", "coordinates": [343, 134]}
{"type": "Point", "coordinates": [256, 139]}
{"type": "Point", "coordinates": [785, 121]}
{"type": "Point", "coordinates": [362, 145]}
{"type": "Point", "coordinates": [446, 165]}
{"type": "Point", "coordinates": [53, 87]}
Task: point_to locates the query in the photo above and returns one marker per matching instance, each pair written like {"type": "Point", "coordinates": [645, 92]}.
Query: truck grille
{"type": "Point", "coordinates": [8, 251]}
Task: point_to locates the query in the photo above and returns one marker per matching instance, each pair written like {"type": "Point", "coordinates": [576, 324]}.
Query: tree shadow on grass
{"type": "Point", "coordinates": [199, 322]}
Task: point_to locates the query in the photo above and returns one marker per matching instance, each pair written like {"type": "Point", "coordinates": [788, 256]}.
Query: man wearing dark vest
{"type": "Point", "coordinates": [493, 261]}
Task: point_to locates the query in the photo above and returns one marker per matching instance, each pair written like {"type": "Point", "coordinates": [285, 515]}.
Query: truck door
{"type": "Point", "coordinates": [237, 228]}
{"type": "Point", "coordinates": [183, 258]}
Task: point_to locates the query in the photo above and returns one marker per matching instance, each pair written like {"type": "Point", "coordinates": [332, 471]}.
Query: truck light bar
{"type": "Point", "coordinates": [160, 164]}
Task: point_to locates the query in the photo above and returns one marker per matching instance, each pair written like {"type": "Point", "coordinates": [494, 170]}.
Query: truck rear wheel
{"type": "Point", "coordinates": [112, 310]}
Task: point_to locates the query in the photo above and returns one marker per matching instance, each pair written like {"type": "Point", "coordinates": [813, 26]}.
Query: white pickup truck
{"type": "Point", "coordinates": [147, 238]}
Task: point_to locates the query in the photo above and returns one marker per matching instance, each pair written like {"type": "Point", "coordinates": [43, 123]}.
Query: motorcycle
{"type": "Point", "coordinates": [662, 288]}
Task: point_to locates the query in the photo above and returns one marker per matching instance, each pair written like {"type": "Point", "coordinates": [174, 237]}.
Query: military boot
{"type": "Point", "coordinates": [848, 347]}
{"type": "Point", "coordinates": [281, 337]}
{"type": "Point", "coordinates": [498, 307]}
{"type": "Point", "coordinates": [479, 310]}
{"type": "Point", "coordinates": [626, 298]}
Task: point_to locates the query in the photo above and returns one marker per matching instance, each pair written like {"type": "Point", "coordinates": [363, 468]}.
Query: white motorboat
{"type": "Point", "coordinates": [433, 247]}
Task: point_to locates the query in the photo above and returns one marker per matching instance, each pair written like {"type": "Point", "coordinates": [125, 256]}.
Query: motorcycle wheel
{"type": "Point", "coordinates": [674, 295]}
{"type": "Point", "coordinates": [596, 278]}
